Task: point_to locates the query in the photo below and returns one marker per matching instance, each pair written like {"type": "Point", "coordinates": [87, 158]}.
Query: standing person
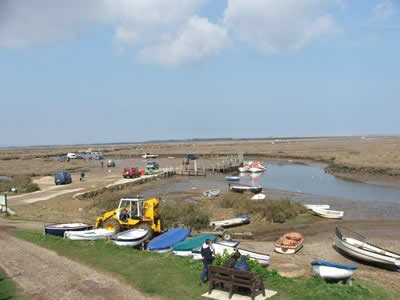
{"type": "Point", "coordinates": [102, 164]}
{"type": "Point", "coordinates": [208, 258]}
{"type": "Point", "coordinates": [82, 176]}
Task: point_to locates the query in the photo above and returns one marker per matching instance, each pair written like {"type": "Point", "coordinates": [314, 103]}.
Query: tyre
{"type": "Point", "coordinates": [147, 227]}
{"type": "Point", "coordinates": [112, 225]}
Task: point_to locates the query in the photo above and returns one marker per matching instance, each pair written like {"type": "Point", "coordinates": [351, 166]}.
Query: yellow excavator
{"type": "Point", "coordinates": [133, 213]}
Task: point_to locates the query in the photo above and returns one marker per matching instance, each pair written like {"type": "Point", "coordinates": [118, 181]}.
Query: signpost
{"type": "Point", "coordinates": [3, 203]}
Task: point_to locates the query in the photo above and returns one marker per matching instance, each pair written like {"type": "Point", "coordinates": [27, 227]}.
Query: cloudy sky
{"type": "Point", "coordinates": [132, 70]}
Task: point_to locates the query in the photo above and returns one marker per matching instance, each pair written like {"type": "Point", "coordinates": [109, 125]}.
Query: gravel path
{"type": "Point", "coordinates": [42, 274]}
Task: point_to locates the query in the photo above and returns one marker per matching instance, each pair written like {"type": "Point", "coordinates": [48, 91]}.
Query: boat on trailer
{"type": "Point", "coordinates": [60, 229]}
{"type": "Point", "coordinates": [289, 243]}
{"type": "Point", "coordinates": [130, 238]}
{"type": "Point", "coordinates": [331, 271]}
{"type": "Point", "coordinates": [89, 235]}
{"type": "Point", "coordinates": [356, 247]}
{"type": "Point", "coordinates": [245, 188]}
{"type": "Point", "coordinates": [239, 220]}
{"type": "Point", "coordinates": [327, 213]}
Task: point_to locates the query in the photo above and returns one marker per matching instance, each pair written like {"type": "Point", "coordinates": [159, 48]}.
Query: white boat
{"type": "Point", "coordinates": [218, 248]}
{"type": "Point", "coordinates": [327, 213]}
{"type": "Point", "coordinates": [317, 206]}
{"type": "Point", "coordinates": [88, 235]}
{"type": "Point", "coordinates": [231, 222]}
{"type": "Point", "coordinates": [256, 170]}
{"type": "Point", "coordinates": [244, 169]}
{"type": "Point", "coordinates": [211, 193]}
{"type": "Point", "coordinates": [148, 155]}
{"type": "Point", "coordinates": [258, 197]}
{"type": "Point", "coordinates": [332, 271]}
{"type": "Point", "coordinates": [131, 237]}
{"type": "Point", "coordinates": [367, 252]}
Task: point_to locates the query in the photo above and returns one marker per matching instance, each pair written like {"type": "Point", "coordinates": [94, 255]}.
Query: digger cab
{"type": "Point", "coordinates": [130, 208]}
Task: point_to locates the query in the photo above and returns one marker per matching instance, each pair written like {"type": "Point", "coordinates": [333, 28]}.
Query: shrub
{"type": "Point", "coordinates": [185, 213]}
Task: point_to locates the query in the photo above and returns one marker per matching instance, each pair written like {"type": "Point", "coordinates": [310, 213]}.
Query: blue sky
{"type": "Point", "coordinates": [119, 70]}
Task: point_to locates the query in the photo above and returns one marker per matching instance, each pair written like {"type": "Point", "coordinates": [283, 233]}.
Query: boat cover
{"type": "Point", "coordinates": [168, 239]}
{"type": "Point", "coordinates": [193, 242]}
{"type": "Point", "coordinates": [332, 264]}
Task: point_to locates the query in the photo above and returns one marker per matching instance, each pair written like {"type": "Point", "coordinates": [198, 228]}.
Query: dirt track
{"type": "Point", "coordinates": [42, 274]}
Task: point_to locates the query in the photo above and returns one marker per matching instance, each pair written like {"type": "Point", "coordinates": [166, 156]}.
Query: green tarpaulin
{"type": "Point", "coordinates": [194, 242]}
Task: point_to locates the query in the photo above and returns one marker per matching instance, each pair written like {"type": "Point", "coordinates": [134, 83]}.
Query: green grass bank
{"type": "Point", "coordinates": [8, 288]}
{"type": "Point", "coordinates": [176, 277]}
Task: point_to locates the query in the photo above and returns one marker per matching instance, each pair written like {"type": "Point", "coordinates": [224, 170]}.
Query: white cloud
{"type": "Point", "coordinates": [384, 10]}
{"type": "Point", "coordinates": [274, 26]}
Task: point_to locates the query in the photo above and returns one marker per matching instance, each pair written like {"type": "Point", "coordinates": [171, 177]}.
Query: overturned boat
{"type": "Point", "coordinates": [239, 220]}
{"type": "Point", "coordinates": [238, 188]}
{"type": "Point", "coordinates": [131, 238]}
{"type": "Point", "coordinates": [88, 235]}
{"type": "Point", "coordinates": [289, 243]}
{"type": "Point", "coordinates": [356, 247]}
{"type": "Point", "coordinates": [331, 271]}
{"type": "Point", "coordinates": [60, 229]}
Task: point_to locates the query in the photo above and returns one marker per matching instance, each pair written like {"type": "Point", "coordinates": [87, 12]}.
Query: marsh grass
{"type": "Point", "coordinates": [23, 184]}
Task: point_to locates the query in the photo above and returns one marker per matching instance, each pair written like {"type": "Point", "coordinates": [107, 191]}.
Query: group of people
{"type": "Point", "coordinates": [237, 261]}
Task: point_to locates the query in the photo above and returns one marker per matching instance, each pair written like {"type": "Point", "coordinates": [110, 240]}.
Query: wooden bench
{"type": "Point", "coordinates": [235, 278]}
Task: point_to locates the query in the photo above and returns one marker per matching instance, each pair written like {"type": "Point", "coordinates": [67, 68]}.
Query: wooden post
{"type": "Point", "coordinates": [195, 167]}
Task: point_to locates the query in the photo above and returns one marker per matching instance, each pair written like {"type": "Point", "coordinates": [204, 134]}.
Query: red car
{"type": "Point", "coordinates": [130, 173]}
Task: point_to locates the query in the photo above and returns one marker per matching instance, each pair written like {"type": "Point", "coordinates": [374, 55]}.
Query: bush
{"type": "Point", "coordinates": [22, 183]}
{"type": "Point", "coordinates": [185, 213]}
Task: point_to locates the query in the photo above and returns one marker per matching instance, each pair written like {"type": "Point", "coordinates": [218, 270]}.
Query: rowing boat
{"type": "Point", "coordinates": [327, 213]}
{"type": "Point", "coordinates": [332, 271]}
{"type": "Point", "coordinates": [88, 235]}
{"type": "Point", "coordinates": [289, 243]}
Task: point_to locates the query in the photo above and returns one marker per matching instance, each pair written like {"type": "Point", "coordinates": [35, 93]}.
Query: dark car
{"type": "Point", "coordinates": [152, 165]}
{"type": "Point", "coordinates": [62, 178]}
{"type": "Point", "coordinates": [188, 158]}
{"type": "Point", "coordinates": [130, 173]}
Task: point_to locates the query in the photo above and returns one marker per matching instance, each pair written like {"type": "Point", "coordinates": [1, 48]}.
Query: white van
{"type": "Point", "coordinates": [71, 156]}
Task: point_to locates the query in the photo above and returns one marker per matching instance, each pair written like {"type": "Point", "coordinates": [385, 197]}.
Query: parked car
{"type": "Point", "coordinates": [152, 165]}
{"type": "Point", "coordinates": [62, 178]}
{"type": "Point", "coordinates": [130, 173]}
{"type": "Point", "coordinates": [71, 155]}
{"type": "Point", "coordinates": [188, 158]}
{"type": "Point", "coordinates": [111, 163]}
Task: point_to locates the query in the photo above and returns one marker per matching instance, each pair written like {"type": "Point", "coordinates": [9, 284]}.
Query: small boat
{"type": "Point", "coordinates": [165, 241]}
{"type": "Point", "coordinates": [211, 193]}
{"type": "Point", "coordinates": [217, 245]}
{"type": "Point", "coordinates": [244, 169]}
{"type": "Point", "coordinates": [258, 197]}
{"type": "Point", "coordinates": [356, 248]}
{"type": "Point", "coordinates": [88, 235]}
{"type": "Point", "coordinates": [317, 206]}
{"type": "Point", "coordinates": [232, 178]}
{"type": "Point", "coordinates": [332, 271]}
{"type": "Point", "coordinates": [289, 243]}
{"type": "Point", "coordinates": [256, 170]}
{"type": "Point", "coordinates": [239, 220]}
{"type": "Point", "coordinates": [60, 229]}
{"type": "Point", "coordinates": [185, 248]}
{"type": "Point", "coordinates": [132, 237]}
{"type": "Point", "coordinates": [245, 188]}
{"type": "Point", "coordinates": [327, 213]}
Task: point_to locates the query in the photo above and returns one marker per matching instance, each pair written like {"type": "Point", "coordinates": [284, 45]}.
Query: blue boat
{"type": "Point", "coordinates": [232, 178]}
{"type": "Point", "coordinates": [331, 271]}
{"type": "Point", "coordinates": [60, 229]}
{"type": "Point", "coordinates": [164, 242]}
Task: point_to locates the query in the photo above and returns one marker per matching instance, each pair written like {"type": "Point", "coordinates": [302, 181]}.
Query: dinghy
{"type": "Point", "coordinates": [231, 222]}
{"type": "Point", "coordinates": [256, 170]}
{"type": "Point", "coordinates": [258, 197]}
{"type": "Point", "coordinates": [327, 213]}
{"type": "Point", "coordinates": [317, 206]}
{"type": "Point", "coordinates": [211, 193]}
{"type": "Point", "coordinates": [289, 243]}
{"type": "Point", "coordinates": [88, 235]}
{"type": "Point", "coordinates": [245, 188]}
{"type": "Point", "coordinates": [185, 248]}
{"type": "Point", "coordinates": [332, 271]}
{"type": "Point", "coordinates": [130, 238]}
{"type": "Point", "coordinates": [357, 248]}
{"type": "Point", "coordinates": [232, 178]}
{"type": "Point", "coordinates": [244, 169]}
{"type": "Point", "coordinates": [165, 241]}
{"type": "Point", "coordinates": [60, 229]}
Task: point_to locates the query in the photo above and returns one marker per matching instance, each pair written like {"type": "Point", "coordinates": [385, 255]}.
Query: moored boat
{"type": "Point", "coordinates": [211, 193]}
{"type": "Point", "coordinates": [245, 188]}
{"type": "Point", "coordinates": [132, 237]}
{"type": "Point", "coordinates": [256, 170]}
{"type": "Point", "coordinates": [231, 222]}
{"type": "Point", "coordinates": [356, 248]}
{"type": "Point", "coordinates": [258, 197]}
{"type": "Point", "coordinates": [60, 229]}
{"type": "Point", "coordinates": [289, 243]}
{"type": "Point", "coordinates": [332, 271]}
{"type": "Point", "coordinates": [165, 241]}
{"type": "Point", "coordinates": [232, 178]}
{"type": "Point", "coordinates": [317, 206]}
{"type": "Point", "coordinates": [185, 248]}
{"type": "Point", "coordinates": [88, 235]}
{"type": "Point", "coordinates": [327, 213]}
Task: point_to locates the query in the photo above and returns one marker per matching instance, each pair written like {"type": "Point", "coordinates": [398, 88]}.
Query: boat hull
{"type": "Point", "coordinates": [328, 214]}
{"type": "Point", "coordinates": [230, 222]}
{"type": "Point", "coordinates": [286, 250]}
{"type": "Point", "coordinates": [332, 273]}
{"type": "Point", "coordinates": [59, 229]}
{"type": "Point", "coordinates": [88, 235]}
{"type": "Point", "coordinates": [130, 238]}
{"type": "Point", "coordinates": [165, 241]}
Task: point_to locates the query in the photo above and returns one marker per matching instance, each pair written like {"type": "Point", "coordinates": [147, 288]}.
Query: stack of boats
{"type": "Point", "coordinates": [252, 167]}
{"type": "Point", "coordinates": [324, 211]}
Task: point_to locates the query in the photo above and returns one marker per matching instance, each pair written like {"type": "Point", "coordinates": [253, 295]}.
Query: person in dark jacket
{"type": "Point", "coordinates": [208, 258]}
{"type": "Point", "coordinates": [232, 261]}
{"type": "Point", "coordinates": [242, 264]}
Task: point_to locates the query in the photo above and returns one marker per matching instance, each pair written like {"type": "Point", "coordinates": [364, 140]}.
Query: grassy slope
{"type": "Point", "coordinates": [8, 289]}
{"type": "Point", "coordinates": [177, 277]}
